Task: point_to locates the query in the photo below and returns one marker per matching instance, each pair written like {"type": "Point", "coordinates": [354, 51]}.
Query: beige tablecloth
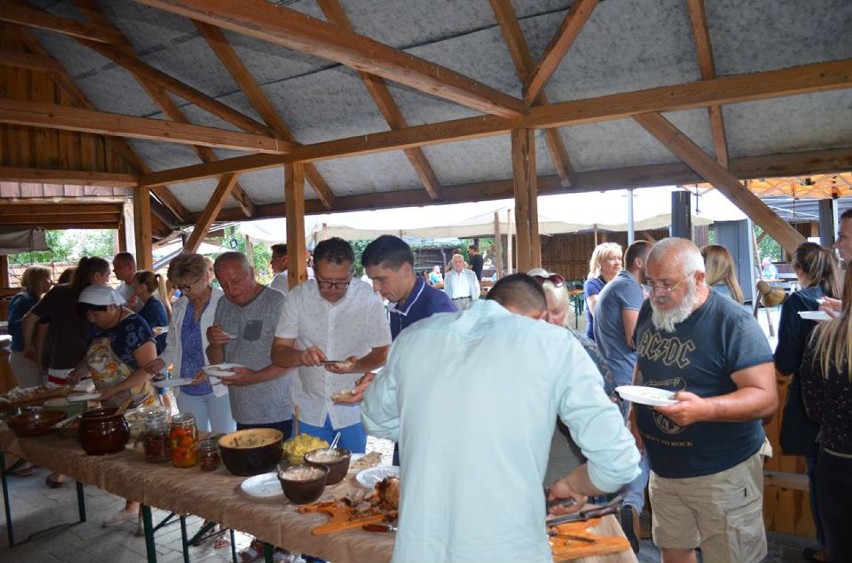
{"type": "Point", "coordinates": [216, 496]}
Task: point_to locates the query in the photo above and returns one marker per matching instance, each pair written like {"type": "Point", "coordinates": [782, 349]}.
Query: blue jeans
{"type": "Point", "coordinates": [353, 438]}
{"type": "Point", "coordinates": [212, 413]}
{"type": "Point", "coordinates": [634, 492]}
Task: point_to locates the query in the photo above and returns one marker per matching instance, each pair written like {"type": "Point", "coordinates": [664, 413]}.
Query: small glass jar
{"type": "Point", "coordinates": [208, 455]}
{"type": "Point", "coordinates": [184, 440]}
{"type": "Point", "coordinates": [155, 438]}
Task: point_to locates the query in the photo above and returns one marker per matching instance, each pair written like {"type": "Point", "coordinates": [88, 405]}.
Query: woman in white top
{"type": "Point", "coordinates": [207, 400]}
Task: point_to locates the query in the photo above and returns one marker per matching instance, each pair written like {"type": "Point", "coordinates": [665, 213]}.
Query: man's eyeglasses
{"type": "Point", "coordinates": [665, 287]}
{"type": "Point", "coordinates": [184, 288]}
{"type": "Point", "coordinates": [555, 279]}
{"type": "Point", "coordinates": [329, 284]}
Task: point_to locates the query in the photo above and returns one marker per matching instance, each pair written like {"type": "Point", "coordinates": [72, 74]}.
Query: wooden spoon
{"type": "Point", "coordinates": [123, 408]}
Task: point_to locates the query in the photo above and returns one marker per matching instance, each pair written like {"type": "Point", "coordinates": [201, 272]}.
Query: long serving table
{"type": "Point", "coordinates": [216, 496]}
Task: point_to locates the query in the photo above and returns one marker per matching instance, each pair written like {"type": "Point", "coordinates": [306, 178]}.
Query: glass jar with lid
{"type": "Point", "coordinates": [208, 455]}
{"type": "Point", "coordinates": [155, 436]}
{"type": "Point", "coordinates": [184, 439]}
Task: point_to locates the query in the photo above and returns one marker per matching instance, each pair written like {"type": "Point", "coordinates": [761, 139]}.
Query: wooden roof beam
{"type": "Point", "coordinates": [383, 99]}
{"type": "Point", "coordinates": [26, 15]}
{"type": "Point", "coordinates": [71, 216]}
{"type": "Point", "coordinates": [31, 62]}
{"type": "Point", "coordinates": [74, 177]}
{"type": "Point", "coordinates": [520, 53]}
{"type": "Point", "coordinates": [575, 19]}
{"type": "Point", "coordinates": [289, 28]}
{"type": "Point", "coordinates": [704, 50]}
{"type": "Point", "coordinates": [820, 77]}
{"type": "Point", "coordinates": [52, 116]}
{"type": "Point", "coordinates": [232, 63]}
{"type": "Point", "coordinates": [24, 208]}
{"type": "Point", "coordinates": [211, 211]}
{"type": "Point", "coordinates": [75, 94]}
{"type": "Point", "coordinates": [676, 173]}
{"type": "Point", "coordinates": [685, 149]}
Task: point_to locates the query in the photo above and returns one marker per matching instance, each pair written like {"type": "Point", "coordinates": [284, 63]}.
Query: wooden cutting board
{"type": "Point", "coordinates": [568, 549]}
{"type": "Point", "coordinates": [341, 517]}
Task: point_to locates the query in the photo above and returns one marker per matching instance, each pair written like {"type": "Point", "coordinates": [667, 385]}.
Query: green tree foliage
{"type": "Point", "coordinates": [768, 247]}
{"type": "Point", "coordinates": [69, 246]}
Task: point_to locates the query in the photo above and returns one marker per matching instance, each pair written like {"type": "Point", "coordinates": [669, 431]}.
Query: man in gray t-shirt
{"type": "Point", "coordinates": [616, 313]}
{"type": "Point", "coordinates": [243, 332]}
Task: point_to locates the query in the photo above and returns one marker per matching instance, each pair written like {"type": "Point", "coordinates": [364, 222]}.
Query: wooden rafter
{"type": "Point", "coordinates": [92, 11]}
{"type": "Point", "coordinates": [520, 52]}
{"type": "Point", "coordinates": [381, 95]}
{"type": "Point", "coordinates": [675, 173]}
{"type": "Point", "coordinates": [219, 44]}
{"type": "Point", "coordinates": [704, 50]}
{"type": "Point", "coordinates": [289, 28]}
{"type": "Point", "coordinates": [28, 61]}
{"type": "Point", "coordinates": [23, 14]}
{"type": "Point", "coordinates": [690, 153]}
{"type": "Point", "coordinates": [52, 116]}
{"type": "Point", "coordinates": [575, 19]}
{"type": "Point", "coordinates": [25, 208]}
{"type": "Point", "coordinates": [78, 98]}
{"type": "Point", "coordinates": [818, 77]}
{"type": "Point", "coordinates": [74, 177]}
{"type": "Point", "coordinates": [211, 211]}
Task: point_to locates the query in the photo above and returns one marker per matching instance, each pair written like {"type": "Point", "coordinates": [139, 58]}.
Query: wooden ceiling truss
{"type": "Point", "coordinates": [272, 144]}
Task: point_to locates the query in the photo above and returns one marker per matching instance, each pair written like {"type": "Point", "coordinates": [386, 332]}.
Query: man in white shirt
{"type": "Point", "coordinates": [278, 262]}
{"type": "Point", "coordinates": [124, 268]}
{"type": "Point", "coordinates": [461, 284]}
{"type": "Point", "coordinates": [333, 317]}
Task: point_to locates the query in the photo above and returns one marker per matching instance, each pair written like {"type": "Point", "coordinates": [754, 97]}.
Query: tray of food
{"type": "Point", "coordinates": [357, 509]}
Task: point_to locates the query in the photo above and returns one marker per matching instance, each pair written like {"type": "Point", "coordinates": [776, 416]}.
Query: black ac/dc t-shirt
{"type": "Point", "coordinates": [716, 340]}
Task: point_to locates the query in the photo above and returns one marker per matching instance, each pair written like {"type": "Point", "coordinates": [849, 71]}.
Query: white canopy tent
{"type": "Point", "coordinates": [557, 214]}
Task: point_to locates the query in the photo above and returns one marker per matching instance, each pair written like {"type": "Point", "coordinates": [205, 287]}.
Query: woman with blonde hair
{"type": "Point", "coordinates": [155, 311]}
{"type": "Point", "coordinates": [721, 272]}
{"type": "Point", "coordinates": [818, 273]}
{"type": "Point", "coordinates": [34, 283]}
{"type": "Point", "coordinates": [603, 266]}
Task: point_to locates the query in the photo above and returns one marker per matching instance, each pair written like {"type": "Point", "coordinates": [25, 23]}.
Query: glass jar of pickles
{"type": "Point", "coordinates": [184, 439]}
{"type": "Point", "coordinates": [208, 455]}
{"type": "Point", "coordinates": [155, 437]}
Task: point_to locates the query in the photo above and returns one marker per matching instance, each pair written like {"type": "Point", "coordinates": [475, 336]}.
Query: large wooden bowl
{"type": "Point", "coordinates": [36, 423]}
{"type": "Point", "coordinates": [251, 452]}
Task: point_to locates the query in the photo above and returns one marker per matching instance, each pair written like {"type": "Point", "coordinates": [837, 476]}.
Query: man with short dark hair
{"type": "Point", "coordinates": [334, 329]}
{"type": "Point", "coordinates": [124, 268]}
{"type": "Point", "coordinates": [475, 261]}
{"type": "Point", "coordinates": [616, 311]}
{"type": "Point", "coordinates": [481, 468]}
{"type": "Point", "coordinates": [243, 332]}
{"type": "Point", "coordinates": [706, 485]}
{"type": "Point", "coordinates": [278, 262]}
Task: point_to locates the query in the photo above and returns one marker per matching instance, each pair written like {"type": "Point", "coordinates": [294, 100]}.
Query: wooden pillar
{"type": "Point", "coordinates": [526, 196]}
{"type": "Point", "coordinates": [826, 222]}
{"type": "Point", "coordinates": [497, 249]}
{"type": "Point", "coordinates": [4, 271]}
{"type": "Point", "coordinates": [294, 205]}
{"type": "Point", "coordinates": [682, 215]}
{"type": "Point", "coordinates": [142, 228]}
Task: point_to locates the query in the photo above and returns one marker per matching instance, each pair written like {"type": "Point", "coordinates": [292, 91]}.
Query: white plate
{"type": "Point", "coordinates": [158, 330]}
{"type": "Point", "coordinates": [221, 370]}
{"type": "Point", "coordinates": [650, 396]}
{"type": "Point", "coordinates": [369, 477]}
{"type": "Point", "coordinates": [84, 397]}
{"type": "Point", "coordinates": [172, 382]}
{"type": "Point", "coordinates": [265, 485]}
{"type": "Point", "coordinates": [815, 315]}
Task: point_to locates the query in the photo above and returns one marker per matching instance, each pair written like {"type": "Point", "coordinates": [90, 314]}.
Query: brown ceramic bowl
{"type": "Point", "coordinates": [102, 431]}
{"type": "Point", "coordinates": [303, 483]}
{"type": "Point", "coordinates": [251, 452]}
{"type": "Point", "coordinates": [34, 423]}
{"type": "Point", "coordinates": [337, 462]}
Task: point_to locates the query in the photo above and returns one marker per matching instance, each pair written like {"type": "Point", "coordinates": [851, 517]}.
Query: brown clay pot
{"type": "Point", "coordinates": [103, 432]}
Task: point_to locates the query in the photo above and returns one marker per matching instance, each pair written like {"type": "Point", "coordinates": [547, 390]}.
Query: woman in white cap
{"type": "Point", "coordinates": [122, 359]}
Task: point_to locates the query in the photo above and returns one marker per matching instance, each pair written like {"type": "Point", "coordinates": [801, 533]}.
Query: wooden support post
{"type": "Point", "coordinates": [294, 202]}
{"type": "Point", "coordinates": [497, 249]}
{"type": "Point", "coordinates": [526, 196]}
{"type": "Point", "coordinates": [681, 215]}
{"type": "Point", "coordinates": [142, 227]}
{"type": "Point", "coordinates": [826, 222]}
{"type": "Point", "coordinates": [4, 271]}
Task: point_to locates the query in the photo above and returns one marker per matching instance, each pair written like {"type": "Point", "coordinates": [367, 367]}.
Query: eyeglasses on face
{"type": "Point", "coordinates": [184, 288]}
{"type": "Point", "coordinates": [555, 279]}
{"type": "Point", "coordinates": [666, 287]}
{"type": "Point", "coordinates": [333, 284]}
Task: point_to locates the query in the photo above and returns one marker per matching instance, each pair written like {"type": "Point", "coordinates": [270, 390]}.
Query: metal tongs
{"type": "Point", "coordinates": [610, 508]}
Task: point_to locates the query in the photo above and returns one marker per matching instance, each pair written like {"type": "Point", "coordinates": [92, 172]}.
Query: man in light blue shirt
{"type": "Point", "coordinates": [477, 436]}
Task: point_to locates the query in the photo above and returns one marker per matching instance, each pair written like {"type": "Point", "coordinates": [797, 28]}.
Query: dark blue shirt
{"type": "Point", "coordinates": [154, 313]}
{"type": "Point", "coordinates": [591, 287]}
{"type": "Point", "coordinates": [423, 301]}
{"type": "Point", "coordinates": [715, 341]}
{"type": "Point", "coordinates": [19, 306]}
{"type": "Point", "coordinates": [126, 337]}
